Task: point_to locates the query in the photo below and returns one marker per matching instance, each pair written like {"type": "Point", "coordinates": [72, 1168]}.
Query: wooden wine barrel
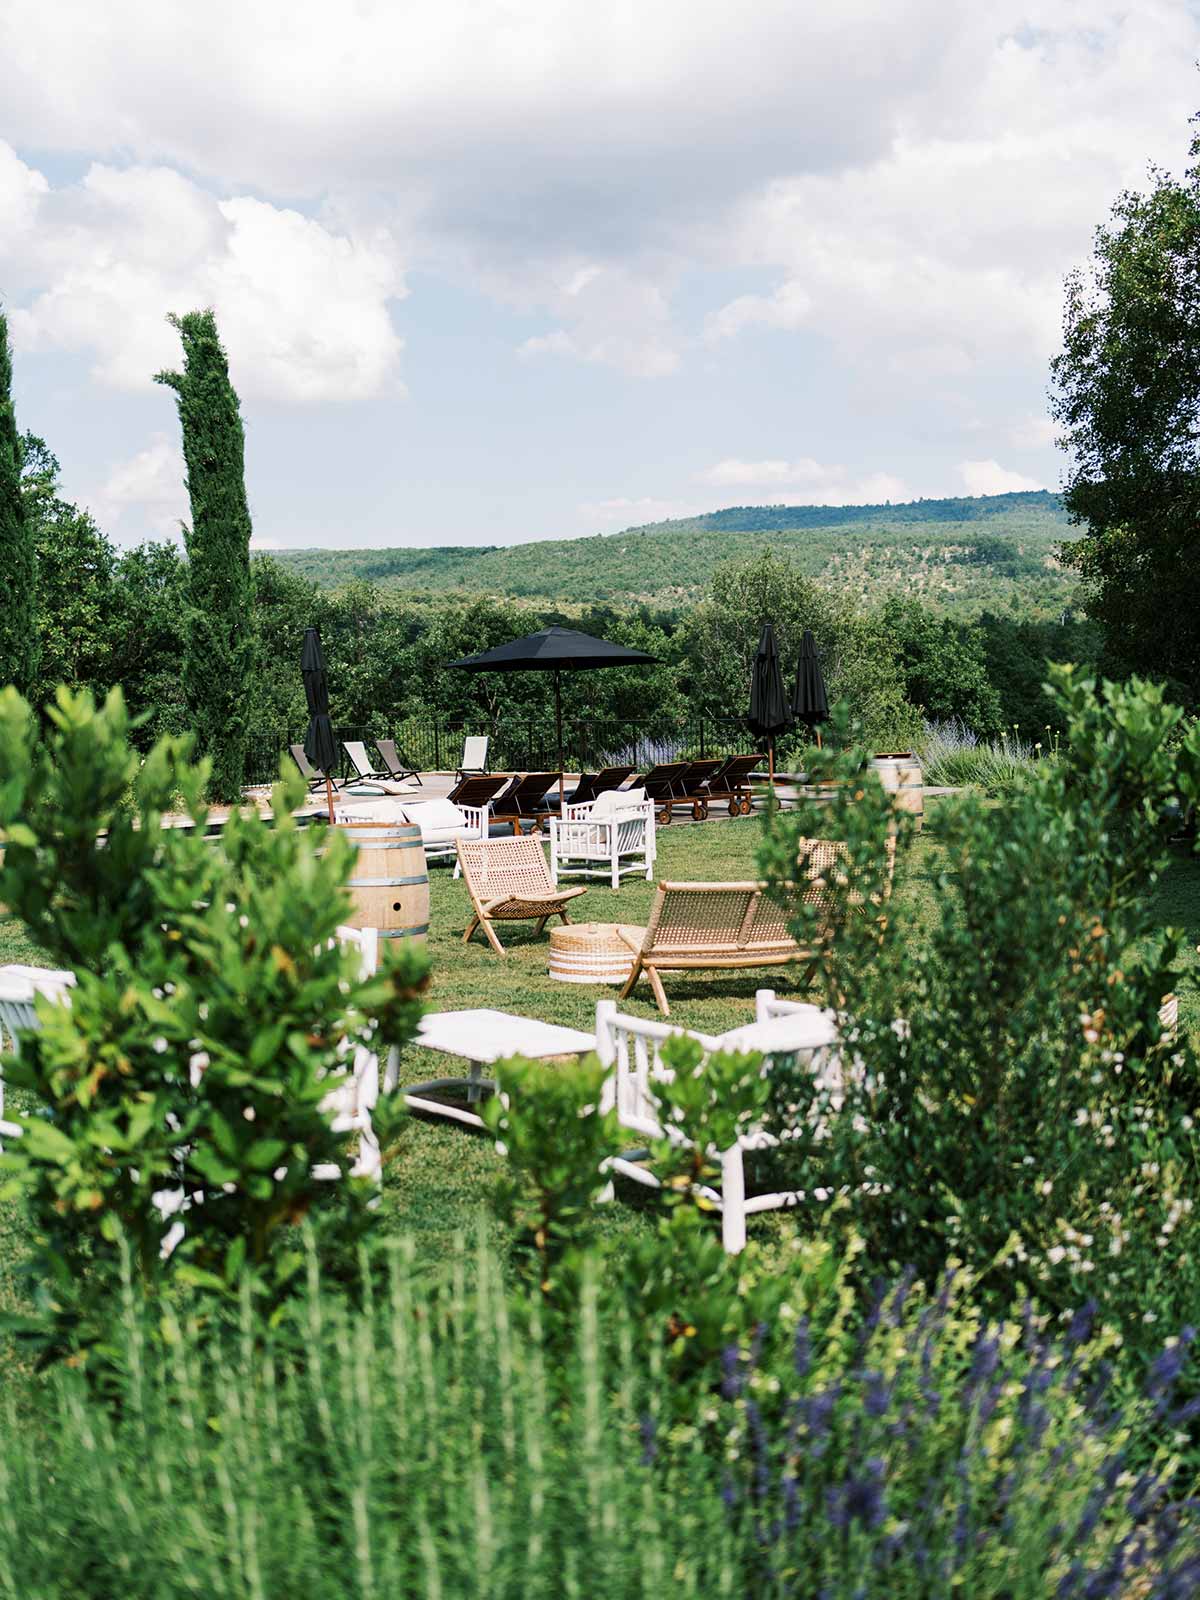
{"type": "Point", "coordinates": [900, 774]}
{"type": "Point", "coordinates": [389, 881]}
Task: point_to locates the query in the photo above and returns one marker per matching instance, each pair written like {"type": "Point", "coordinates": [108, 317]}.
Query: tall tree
{"type": "Point", "coordinates": [219, 646]}
{"type": "Point", "coordinates": [18, 559]}
{"type": "Point", "coordinates": [1127, 395]}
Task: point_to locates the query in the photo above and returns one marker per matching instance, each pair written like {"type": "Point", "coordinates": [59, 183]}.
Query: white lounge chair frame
{"type": "Point", "coordinates": [630, 1047]}
{"type": "Point", "coordinates": [605, 838]}
{"type": "Point", "coordinates": [474, 755]}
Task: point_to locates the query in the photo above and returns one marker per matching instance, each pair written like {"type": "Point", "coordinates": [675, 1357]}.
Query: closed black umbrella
{"type": "Point", "coordinates": [555, 650]}
{"type": "Point", "coordinates": [769, 713]}
{"type": "Point", "coordinates": [319, 744]}
{"type": "Point", "coordinates": [810, 703]}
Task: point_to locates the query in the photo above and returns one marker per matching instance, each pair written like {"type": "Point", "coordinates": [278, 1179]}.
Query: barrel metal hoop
{"type": "Point", "coordinates": [403, 933]}
{"type": "Point", "coordinates": [384, 883]}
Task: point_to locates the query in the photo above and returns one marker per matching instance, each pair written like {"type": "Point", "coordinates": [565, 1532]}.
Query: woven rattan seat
{"type": "Point", "coordinates": [710, 926]}
{"type": "Point", "coordinates": [509, 881]}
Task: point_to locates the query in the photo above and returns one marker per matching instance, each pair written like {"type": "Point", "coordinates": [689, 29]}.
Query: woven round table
{"type": "Point", "coordinates": [593, 952]}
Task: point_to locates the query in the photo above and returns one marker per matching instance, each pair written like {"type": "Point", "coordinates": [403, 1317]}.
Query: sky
{"type": "Point", "coordinates": [498, 270]}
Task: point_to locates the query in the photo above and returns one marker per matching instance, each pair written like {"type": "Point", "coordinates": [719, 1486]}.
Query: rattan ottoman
{"type": "Point", "coordinates": [593, 952]}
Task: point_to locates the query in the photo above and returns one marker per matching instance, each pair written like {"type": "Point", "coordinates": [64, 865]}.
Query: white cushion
{"type": "Point", "coordinates": [436, 816]}
{"type": "Point", "coordinates": [615, 800]}
{"type": "Point", "coordinates": [382, 811]}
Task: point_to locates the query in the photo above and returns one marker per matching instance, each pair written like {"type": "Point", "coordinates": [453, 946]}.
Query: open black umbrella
{"type": "Point", "coordinates": [555, 650]}
{"type": "Point", "coordinates": [810, 703]}
{"type": "Point", "coordinates": [769, 713]}
{"type": "Point", "coordinates": [319, 744]}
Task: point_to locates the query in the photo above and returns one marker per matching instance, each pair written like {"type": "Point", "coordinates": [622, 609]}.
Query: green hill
{"type": "Point", "coordinates": [960, 554]}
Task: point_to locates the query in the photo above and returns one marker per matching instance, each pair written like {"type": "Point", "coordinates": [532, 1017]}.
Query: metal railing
{"type": "Point", "coordinates": [526, 744]}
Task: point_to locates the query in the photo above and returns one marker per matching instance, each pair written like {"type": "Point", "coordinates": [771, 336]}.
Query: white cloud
{"type": "Point", "coordinates": [303, 311]}
{"type": "Point", "coordinates": [989, 477]}
{"type": "Point", "coordinates": [813, 483]}
{"type": "Point", "coordinates": [621, 512]}
{"type": "Point", "coordinates": [612, 317]}
{"type": "Point", "coordinates": [145, 494]}
{"type": "Point", "coordinates": [1033, 432]}
{"type": "Point", "coordinates": [789, 308]}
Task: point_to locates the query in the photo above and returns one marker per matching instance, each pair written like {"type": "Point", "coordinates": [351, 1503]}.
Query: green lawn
{"type": "Point", "coordinates": [442, 1175]}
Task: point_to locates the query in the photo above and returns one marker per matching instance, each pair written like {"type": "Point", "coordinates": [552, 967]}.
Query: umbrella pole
{"type": "Point", "coordinates": [820, 746]}
{"type": "Point", "coordinates": [771, 760]}
{"type": "Point", "coordinates": [329, 794]}
{"type": "Point", "coordinates": [558, 732]}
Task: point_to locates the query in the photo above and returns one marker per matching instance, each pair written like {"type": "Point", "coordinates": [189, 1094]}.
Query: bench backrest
{"type": "Point", "coordinates": [721, 917]}
{"type": "Point", "coordinates": [494, 867]}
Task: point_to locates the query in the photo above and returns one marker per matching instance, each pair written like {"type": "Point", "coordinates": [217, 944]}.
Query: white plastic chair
{"type": "Point", "coordinates": [606, 838]}
{"type": "Point", "coordinates": [19, 988]}
{"type": "Point", "coordinates": [351, 1102]}
{"type": "Point", "coordinates": [630, 1047]}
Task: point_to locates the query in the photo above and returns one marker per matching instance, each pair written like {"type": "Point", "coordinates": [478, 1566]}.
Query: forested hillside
{"type": "Point", "coordinates": [960, 555]}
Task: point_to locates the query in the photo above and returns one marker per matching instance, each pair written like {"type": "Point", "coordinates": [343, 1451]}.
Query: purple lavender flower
{"type": "Point", "coordinates": [731, 1382]}
{"type": "Point", "coordinates": [802, 1348]}
{"type": "Point", "coordinates": [858, 1499]}
{"type": "Point", "coordinates": [1080, 1329]}
{"type": "Point", "coordinates": [1167, 1367]}
{"type": "Point", "coordinates": [649, 1433]}
{"type": "Point", "coordinates": [877, 1394]}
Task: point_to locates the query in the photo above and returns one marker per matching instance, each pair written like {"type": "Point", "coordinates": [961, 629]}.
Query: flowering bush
{"type": "Point", "coordinates": [940, 1454]}
{"type": "Point", "coordinates": [213, 1012]}
{"type": "Point", "coordinates": [1013, 1097]}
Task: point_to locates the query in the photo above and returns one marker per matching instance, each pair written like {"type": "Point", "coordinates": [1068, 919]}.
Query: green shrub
{"type": "Point", "coordinates": [1012, 1098]}
{"type": "Point", "coordinates": [213, 1012]}
{"type": "Point", "coordinates": [441, 1442]}
{"type": "Point", "coordinates": [952, 756]}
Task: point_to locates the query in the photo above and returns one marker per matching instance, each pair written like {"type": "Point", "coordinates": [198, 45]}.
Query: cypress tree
{"type": "Point", "coordinates": [218, 657]}
{"type": "Point", "coordinates": [18, 562]}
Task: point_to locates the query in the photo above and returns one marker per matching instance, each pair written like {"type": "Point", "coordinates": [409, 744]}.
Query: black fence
{"type": "Point", "coordinates": [521, 744]}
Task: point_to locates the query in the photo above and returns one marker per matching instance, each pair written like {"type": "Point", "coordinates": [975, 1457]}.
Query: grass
{"type": "Point", "coordinates": [440, 1179]}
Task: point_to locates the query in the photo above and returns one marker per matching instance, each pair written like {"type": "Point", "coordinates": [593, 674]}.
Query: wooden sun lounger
{"type": "Point", "coordinates": [693, 785]}
{"type": "Point", "coordinates": [731, 783]}
{"type": "Point", "coordinates": [509, 880]}
{"type": "Point", "coordinates": [480, 789]}
{"type": "Point", "coordinates": [526, 800]}
{"type": "Point", "coordinates": [661, 786]}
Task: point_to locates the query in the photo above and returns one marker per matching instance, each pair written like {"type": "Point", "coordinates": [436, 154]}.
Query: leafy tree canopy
{"type": "Point", "coordinates": [1128, 399]}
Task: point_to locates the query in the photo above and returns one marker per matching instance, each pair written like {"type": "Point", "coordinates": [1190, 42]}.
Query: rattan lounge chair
{"type": "Point", "coordinates": [481, 790]}
{"type": "Point", "coordinates": [398, 765]}
{"type": "Point", "coordinates": [526, 800]}
{"type": "Point", "coordinates": [708, 927]}
{"type": "Point", "coordinates": [509, 881]}
{"type": "Point", "coordinates": [731, 783]}
{"type": "Point", "coordinates": [308, 772]}
{"type": "Point", "coordinates": [661, 786]}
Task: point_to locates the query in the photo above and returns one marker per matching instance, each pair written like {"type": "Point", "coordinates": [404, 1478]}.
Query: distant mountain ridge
{"type": "Point", "coordinates": [962, 553]}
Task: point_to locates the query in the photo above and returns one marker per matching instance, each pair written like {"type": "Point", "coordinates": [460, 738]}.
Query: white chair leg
{"type": "Point", "coordinates": [764, 999]}
{"type": "Point", "coordinates": [733, 1201]}
{"type": "Point", "coordinates": [370, 1162]}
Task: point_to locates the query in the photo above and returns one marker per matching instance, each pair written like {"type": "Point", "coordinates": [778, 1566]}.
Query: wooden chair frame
{"type": "Point", "coordinates": [509, 880]}
{"type": "Point", "coordinates": [712, 927]}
